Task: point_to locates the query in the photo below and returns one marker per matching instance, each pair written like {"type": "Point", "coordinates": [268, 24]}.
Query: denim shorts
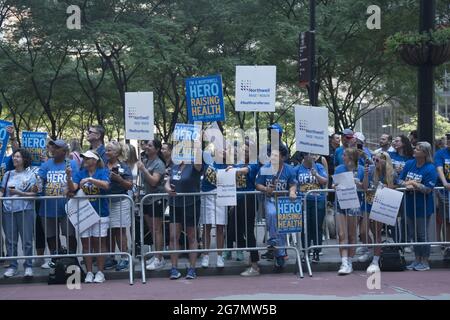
{"type": "Point", "coordinates": [351, 212]}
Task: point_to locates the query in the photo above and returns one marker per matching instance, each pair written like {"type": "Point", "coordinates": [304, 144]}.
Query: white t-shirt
{"type": "Point", "coordinates": [22, 181]}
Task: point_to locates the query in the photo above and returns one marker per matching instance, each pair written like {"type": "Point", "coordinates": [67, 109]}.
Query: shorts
{"type": "Point", "coordinates": [210, 213]}
{"type": "Point", "coordinates": [350, 212]}
{"type": "Point", "coordinates": [443, 205]}
{"type": "Point", "coordinates": [156, 210]}
{"type": "Point", "coordinates": [98, 230]}
{"type": "Point", "coordinates": [188, 216]}
{"type": "Point", "coordinates": [52, 226]}
{"type": "Point", "coordinates": [119, 214]}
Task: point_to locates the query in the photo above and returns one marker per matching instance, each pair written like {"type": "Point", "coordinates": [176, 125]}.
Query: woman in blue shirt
{"type": "Point", "coordinates": [18, 215]}
{"type": "Point", "coordinates": [93, 179]}
{"type": "Point", "coordinates": [381, 175]}
{"type": "Point", "coordinates": [347, 220]}
{"type": "Point", "coordinates": [276, 176]}
{"type": "Point", "coordinates": [419, 178]}
{"type": "Point", "coordinates": [313, 176]}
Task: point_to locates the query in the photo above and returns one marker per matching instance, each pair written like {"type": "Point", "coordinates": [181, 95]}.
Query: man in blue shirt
{"type": "Point", "coordinates": [348, 141]}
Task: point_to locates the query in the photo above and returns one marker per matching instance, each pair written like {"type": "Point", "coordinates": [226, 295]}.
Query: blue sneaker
{"type": "Point", "coordinates": [191, 274]}
{"type": "Point", "coordinates": [422, 267]}
{"type": "Point", "coordinates": [279, 262]}
{"type": "Point", "coordinates": [174, 274]}
{"type": "Point", "coordinates": [122, 265]}
{"type": "Point", "coordinates": [110, 263]}
{"type": "Point", "coordinates": [411, 266]}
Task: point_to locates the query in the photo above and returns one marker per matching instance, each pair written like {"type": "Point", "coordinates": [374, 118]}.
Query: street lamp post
{"type": "Point", "coordinates": [313, 85]}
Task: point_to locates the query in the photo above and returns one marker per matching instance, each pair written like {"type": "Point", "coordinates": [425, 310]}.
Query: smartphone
{"type": "Point", "coordinates": [115, 170]}
{"type": "Point", "coordinates": [367, 162]}
{"type": "Point", "coordinates": [359, 146]}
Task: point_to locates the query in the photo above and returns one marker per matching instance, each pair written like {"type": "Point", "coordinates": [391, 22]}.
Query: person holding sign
{"type": "Point", "coordinates": [18, 215]}
{"type": "Point", "coordinates": [347, 219]}
{"type": "Point", "coordinates": [442, 162]}
{"type": "Point", "coordinates": [184, 212]}
{"type": "Point", "coordinates": [93, 179]}
{"type": "Point", "coordinates": [382, 175]}
{"type": "Point", "coordinates": [276, 176]}
{"type": "Point", "coordinates": [419, 178]}
{"type": "Point", "coordinates": [313, 176]}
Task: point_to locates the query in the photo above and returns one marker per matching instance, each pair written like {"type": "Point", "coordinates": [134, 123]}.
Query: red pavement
{"type": "Point", "coordinates": [434, 284]}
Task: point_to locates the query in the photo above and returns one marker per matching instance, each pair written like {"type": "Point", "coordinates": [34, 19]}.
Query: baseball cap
{"type": "Point", "coordinates": [277, 127]}
{"type": "Point", "coordinates": [59, 143]}
{"type": "Point", "coordinates": [90, 154]}
{"type": "Point", "coordinates": [360, 136]}
{"type": "Point", "coordinates": [347, 132]}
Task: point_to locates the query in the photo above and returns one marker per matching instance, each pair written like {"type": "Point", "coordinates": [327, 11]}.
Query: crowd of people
{"type": "Point", "coordinates": [176, 189]}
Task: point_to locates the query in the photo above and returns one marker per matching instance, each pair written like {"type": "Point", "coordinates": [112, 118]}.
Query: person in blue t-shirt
{"type": "Point", "coordinates": [210, 213]}
{"type": "Point", "coordinates": [312, 176]}
{"type": "Point", "coordinates": [442, 163]}
{"type": "Point", "coordinates": [93, 179]}
{"type": "Point", "coordinates": [53, 179]}
{"type": "Point", "coordinates": [347, 220]}
{"type": "Point", "coordinates": [276, 176]}
{"type": "Point", "coordinates": [242, 220]}
{"type": "Point", "coordinates": [381, 175]}
{"type": "Point", "coordinates": [348, 141]}
{"type": "Point", "coordinates": [419, 178]}
{"type": "Point", "coordinates": [95, 137]}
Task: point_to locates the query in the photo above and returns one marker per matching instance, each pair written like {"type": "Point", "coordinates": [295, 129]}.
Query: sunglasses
{"type": "Point", "coordinates": [348, 137]}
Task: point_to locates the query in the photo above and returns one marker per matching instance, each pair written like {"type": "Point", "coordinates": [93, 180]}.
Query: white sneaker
{"type": "Point", "coordinates": [365, 257]}
{"type": "Point", "coordinates": [345, 269]}
{"type": "Point", "coordinates": [373, 268]}
{"type": "Point", "coordinates": [10, 272]}
{"type": "Point", "coordinates": [89, 278]}
{"type": "Point", "coordinates": [150, 261]}
{"type": "Point", "coordinates": [99, 277]}
{"type": "Point", "coordinates": [28, 272]}
{"type": "Point", "coordinates": [220, 262]}
{"type": "Point", "coordinates": [408, 250]}
{"type": "Point", "coordinates": [156, 264]}
{"type": "Point", "coordinates": [205, 261]}
{"type": "Point", "coordinates": [45, 265]}
{"type": "Point", "coordinates": [361, 250]}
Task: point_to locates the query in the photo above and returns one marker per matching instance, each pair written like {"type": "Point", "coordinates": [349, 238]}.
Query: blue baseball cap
{"type": "Point", "coordinates": [277, 127]}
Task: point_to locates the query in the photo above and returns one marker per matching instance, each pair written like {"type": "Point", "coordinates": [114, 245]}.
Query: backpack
{"type": "Point", "coordinates": [392, 259]}
{"type": "Point", "coordinates": [59, 272]}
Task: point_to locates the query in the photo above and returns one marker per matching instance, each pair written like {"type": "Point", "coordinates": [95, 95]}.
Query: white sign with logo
{"type": "Point", "coordinates": [346, 190]}
{"type": "Point", "coordinates": [226, 188]}
{"type": "Point", "coordinates": [256, 88]}
{"type": "Point", "coordinates": [139, 117]}
{"type": "Point", "coordinates": [386, 205]}
{"type": "Point", "coordinates": [81, 213]}
{"type": "Point", "coordinates": [311, 130]}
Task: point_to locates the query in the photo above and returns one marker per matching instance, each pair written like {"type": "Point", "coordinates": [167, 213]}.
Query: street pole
{"type": "Point", "coordinates": [425, 96]}
{"type": "Point", "coordinates": [313, 92]}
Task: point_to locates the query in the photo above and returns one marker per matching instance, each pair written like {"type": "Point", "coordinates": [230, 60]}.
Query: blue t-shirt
{"type": "Point", "coordinates": [102, 153]}
{"type": "Point", "coordinates": [209, 181]}
{"type": "Point", "coordinates": [442, 159]}
{"type": "Point", "coordinates": [54, 183]}
{"type": "Point", "coordinates": [115, 187]}
{"type": "Point", "coordinates": [306, 181]}
{"type": "Point", "coordinates": [282, 180]}
{"type": "Point", "coordinates": [339, 157]}
{"type": "Point", "coordinates": [6, 165]}
{"type": "Point", "coordinates": [246, 182]}
{"type": "Point", "coordinates": [425, 175]}
{"type": "Point", "coordinates": [100, 205]}
{"type": "Point", "coordinates": [185, 181]}
{"type": "Point", "coordinates": [398, 161]}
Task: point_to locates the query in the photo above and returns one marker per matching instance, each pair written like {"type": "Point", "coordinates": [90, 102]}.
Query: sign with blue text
{"type": "Point", "coordinates": [35, 143]}
{"type": "Point", "coordinates": [311, 130]}
{"type": "Point", "coordinates": [185, 138]}
{"type": "Point", "coordinates": [204, 99]}
{"type": "Point", "coordinates": [139, 116]}
{"type": "Point", "coordinates": [289, 215]}
{"type": "Point", "coordinates": [4, 138]}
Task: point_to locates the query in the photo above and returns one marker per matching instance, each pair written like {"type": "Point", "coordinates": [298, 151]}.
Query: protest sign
{"type": "Point", "coordinates": [204, 99]}
{"type": "Point", "coordinates": [226, 188]}
{"type": "Point", "coordinates": [81, 213]}
{"type": "Point", "coordinates": [4, 138]}
{"type": "Point", "coordinates": [311, 130]}
{"type": "Point", "coordinates": [289, 215]}
{"type": "Point", "coordinates": [346, 190]}
{"type": "Point", "coordinates": [139, 117]}
{"type": "Point", "coordinates": [386, 205]}
{"type": "Point", "coordinates": [35, 143]}
{"type": "Point", "coordinates": [185, 139]}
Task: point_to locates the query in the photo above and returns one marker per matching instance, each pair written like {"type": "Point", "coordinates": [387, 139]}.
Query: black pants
{"type": "Point", "coordinates": [237, 220]}
{"type": "Point", "coordinates": [40, 236]}
{"type": "Point", "coordinates": [315, 215]}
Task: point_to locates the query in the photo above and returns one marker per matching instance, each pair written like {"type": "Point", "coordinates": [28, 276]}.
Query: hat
{"type": "Point", "coordinates": [360, 136]}
{"type": "Point", "coordinates": [59, 143]}
{"type": "Point", "coordinates": [277, 127]}
{"type": "Point", "coordinates": [347, 132]}
{"type": "Point", "coordinates": [90, 154]}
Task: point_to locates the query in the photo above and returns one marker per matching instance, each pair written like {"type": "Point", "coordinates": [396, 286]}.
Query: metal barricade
{"type": "Point", "coordinates": [413, 228]}
{"type": "Point", "coordinates": [47, 227]}
{"type": "Point", "coordinates": [180, 210]}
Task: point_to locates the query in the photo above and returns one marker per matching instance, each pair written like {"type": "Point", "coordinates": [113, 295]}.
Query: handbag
{"type": "Point", "coordinates": [392, 258]}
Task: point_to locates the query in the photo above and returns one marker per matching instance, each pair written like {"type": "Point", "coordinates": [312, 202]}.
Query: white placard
{"type": "Point", "coordinates": [386, 205]}
{"type": "Point", "coordinates": [311, 130]}
{"type": "Point", "coordinates": [139, 117]}
{"type": "Point", "coordinates": [256, 88]}
{"type": "Point", "coordinates": [344, 179]}
{"type": "Point", "coordinates": [81, 213]}
{"type": "Point", "coordinates": [226, 188]}
{"type": "Point", "coordinates": [347, 197]}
